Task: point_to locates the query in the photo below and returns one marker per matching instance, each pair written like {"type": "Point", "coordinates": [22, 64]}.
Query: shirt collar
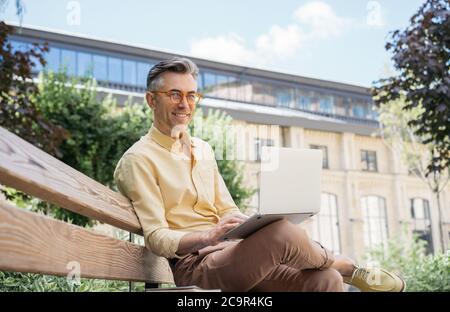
{"type": "Point", "coordinates": [166, 141]}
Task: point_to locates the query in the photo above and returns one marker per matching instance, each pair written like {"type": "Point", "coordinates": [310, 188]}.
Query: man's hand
{"type": "Point", "coordinates": [192, 242]}
{"type": "Point", "coordinates": [227, 223]}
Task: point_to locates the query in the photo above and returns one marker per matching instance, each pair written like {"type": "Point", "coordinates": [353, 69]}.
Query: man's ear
{"type": "Point", "coordinates": [149, 97]}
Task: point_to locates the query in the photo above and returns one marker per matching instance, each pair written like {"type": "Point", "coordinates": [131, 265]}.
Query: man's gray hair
{"type": "Point", "coordinates": [176, 65]}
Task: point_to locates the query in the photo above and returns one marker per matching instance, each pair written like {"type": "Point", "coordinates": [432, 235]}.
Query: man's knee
{"type": "Point", "coordinates": [283, 232]}
{"type": "Point", "coordinates": [332, 280]}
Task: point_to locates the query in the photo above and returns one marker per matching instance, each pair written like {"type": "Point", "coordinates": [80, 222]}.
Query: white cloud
{"type": "Point", "coordinates": [229, 48]}
{"type": "Point", "coordinates": [279, 41]}
{"type": "Point", "coordinates": [313, 21]}
{"type": "Point", "coordinates": [322, 21]}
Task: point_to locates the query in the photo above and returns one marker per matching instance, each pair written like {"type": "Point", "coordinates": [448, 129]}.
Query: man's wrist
{"type": "Point", "coordinates": [205, 239]}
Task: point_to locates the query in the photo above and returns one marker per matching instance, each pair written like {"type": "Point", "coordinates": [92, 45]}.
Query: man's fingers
{"type": "Point", "coordinates": [231, 225]}
{"type": "Point", "coordinates": [232, 220]}
{"type": "Point", "coordinates": [222, 229]}
{"type": "Point", "coordinates": [236, 215]}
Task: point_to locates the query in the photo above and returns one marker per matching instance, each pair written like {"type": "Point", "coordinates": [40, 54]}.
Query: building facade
{"type": "Point", "coordinates": [367, 196]}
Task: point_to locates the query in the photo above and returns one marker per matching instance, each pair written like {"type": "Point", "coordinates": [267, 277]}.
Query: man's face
{"type": "Point", "coordinates": [167, 115]}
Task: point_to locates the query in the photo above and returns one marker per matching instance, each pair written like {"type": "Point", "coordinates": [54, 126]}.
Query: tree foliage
{"type": "Point", "coordinates": [421, 56]}
{"type": "Point", "coordinates": [18, 111]}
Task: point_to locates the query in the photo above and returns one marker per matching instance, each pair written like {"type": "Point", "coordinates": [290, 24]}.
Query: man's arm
{"type": "Point", "coordinates": [136, 179]}
{"type": "Point", "coordinates": [192, 242]}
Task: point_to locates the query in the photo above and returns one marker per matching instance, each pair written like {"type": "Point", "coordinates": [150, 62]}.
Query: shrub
{"type": "Point", "coordinates": [408, 258]}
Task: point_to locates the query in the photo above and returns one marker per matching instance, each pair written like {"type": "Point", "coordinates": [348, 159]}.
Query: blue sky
{"type": "Point", "coordinates": [328, 39]}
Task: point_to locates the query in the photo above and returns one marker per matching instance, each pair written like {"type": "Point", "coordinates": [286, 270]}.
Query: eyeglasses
{"type": "Point", "coordinates": [177, 96]}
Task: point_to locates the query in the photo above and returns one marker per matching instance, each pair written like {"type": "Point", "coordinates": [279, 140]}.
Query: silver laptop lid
{"type": "Point", "coordinates": [290, 180]}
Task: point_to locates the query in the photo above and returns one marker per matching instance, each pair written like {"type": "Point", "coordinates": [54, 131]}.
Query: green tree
{"type": "Point", "coordinates": [421, 56]}
{"type": "Point", "coordinates": [99, 132]}
{"type": "Point", "coordinates": [400, 135]}
{"type": "Point", "coordinates": [18, 112]}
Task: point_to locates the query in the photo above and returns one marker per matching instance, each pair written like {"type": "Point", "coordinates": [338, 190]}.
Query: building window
{"type": "Point", "coordinates": [375, 221]}
{"type": "Point", "coordinates": [100, 67]}
{"type": "Point", "coordinates": [326, 104]}
{"type": "Point", "coordinates": [222, 87]}
{"type": "Point", "coordinates": [142, 72]}
{"type": "Point", "coordinates": [325, 224]}
{"type": "Point", "coordinates": [233, 87]}
{"type": "Point", "coordinates": [303, 100]}
{"type": "Point", "coordinates": [114, 69]}
{"type": "Point", "coordinates": [263, 93]}
{"type": "Point", "coordinates": [324, 150]}
{"type": "Point", "coordinates": [85, 65]}
{"type": "Point", "coordinates": [200, 81]}
{"type": "Point", "coordinates": [358, 111]}
{"type": "Point", "coordinates": [129, 72]}
{"type": "Point", "coordinates": [260, 143]}
{"type": "Point", "coordinates": [209, 81]}
{"type": "Point", "coordinates": [284, 96]}
{"type": "Point", "coordinates": [53, 59]}
{"type": "Point", "coordinates": [369, 160]}
{"type": "Point", "coordinates": [69, 61]}
{"type": "Point", "coordinates": [420, 213]}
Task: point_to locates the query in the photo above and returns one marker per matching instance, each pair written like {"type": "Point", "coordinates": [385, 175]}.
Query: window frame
{"type": "Point", "coordinates": [366, 161]}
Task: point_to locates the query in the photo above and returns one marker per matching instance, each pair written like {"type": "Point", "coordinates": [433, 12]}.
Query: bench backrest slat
{"type": "Point", "coordinates": [29, 169]}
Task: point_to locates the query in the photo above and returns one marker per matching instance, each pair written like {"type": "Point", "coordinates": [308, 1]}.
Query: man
{"type": "Point", "coordinates": [183, 205]}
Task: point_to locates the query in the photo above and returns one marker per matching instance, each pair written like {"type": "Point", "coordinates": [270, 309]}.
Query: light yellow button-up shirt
{"type": "Point", "coordinates": [172, 193]}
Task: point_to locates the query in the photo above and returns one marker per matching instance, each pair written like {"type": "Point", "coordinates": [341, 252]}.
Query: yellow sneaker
{"type": "Point", "coordinates": [375, 280]}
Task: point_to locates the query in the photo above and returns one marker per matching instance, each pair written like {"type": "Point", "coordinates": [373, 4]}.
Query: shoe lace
{"type": "Point", "coordinates": [361, 274]}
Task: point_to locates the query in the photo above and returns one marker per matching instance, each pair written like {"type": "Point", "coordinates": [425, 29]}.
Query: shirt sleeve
{"type": "Point", "coordinates": [135, 178]}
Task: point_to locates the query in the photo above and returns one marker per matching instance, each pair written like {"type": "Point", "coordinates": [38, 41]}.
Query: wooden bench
{"type": "Point", "coordinates": [30, 242]}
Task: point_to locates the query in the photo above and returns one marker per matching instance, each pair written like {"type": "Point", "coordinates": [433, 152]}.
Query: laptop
{"type": "Point", "coordinates": [289, 188]}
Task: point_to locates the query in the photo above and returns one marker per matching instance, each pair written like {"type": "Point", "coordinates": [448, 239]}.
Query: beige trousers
{"type": "Point", "coordinates": [278, 257]}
